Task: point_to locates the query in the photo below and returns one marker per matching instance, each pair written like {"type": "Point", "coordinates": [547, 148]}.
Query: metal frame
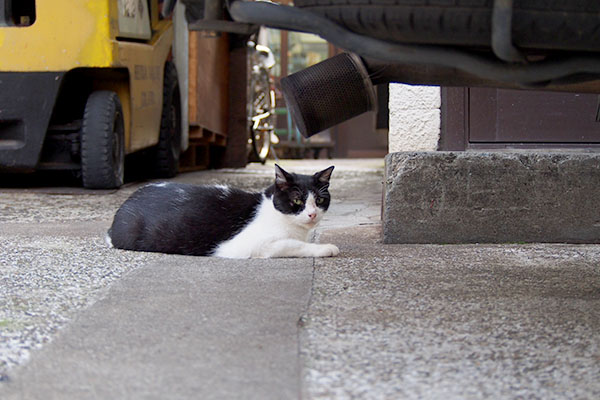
{"type": "Point", "coordinates": [5, 12]}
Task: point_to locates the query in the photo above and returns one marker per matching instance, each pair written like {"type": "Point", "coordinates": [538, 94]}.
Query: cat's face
{"type": "Point", "coordinates": [305, 198]}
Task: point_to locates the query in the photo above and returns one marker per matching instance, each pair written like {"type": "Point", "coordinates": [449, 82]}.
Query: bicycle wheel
{"type": "Point", "coordinates": [262, 115]}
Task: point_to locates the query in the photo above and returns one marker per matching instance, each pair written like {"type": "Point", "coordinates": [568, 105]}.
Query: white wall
{"type": "Point", "coordinates": [414, 117]}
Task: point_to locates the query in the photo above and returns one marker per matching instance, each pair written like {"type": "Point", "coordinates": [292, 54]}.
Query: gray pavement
{"type": "Point", "coordinates": [181, 328]}
{"type": "Point", "coordinates": [80, 320]}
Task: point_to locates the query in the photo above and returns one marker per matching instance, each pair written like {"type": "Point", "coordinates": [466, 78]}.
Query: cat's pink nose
{"type": "Point", "coordinates": [312, 215]}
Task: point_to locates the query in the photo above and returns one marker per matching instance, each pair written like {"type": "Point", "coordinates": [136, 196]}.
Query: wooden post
{"type": "Point", "coordinates": [236, 151]}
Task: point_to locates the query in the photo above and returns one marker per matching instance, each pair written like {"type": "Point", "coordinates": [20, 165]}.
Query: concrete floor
{"type": "Point", "coordinates": [80, 320]}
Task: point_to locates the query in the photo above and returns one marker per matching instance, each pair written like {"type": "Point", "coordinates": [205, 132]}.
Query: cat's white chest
{"type": "Point", "coordinates": [267, 227]}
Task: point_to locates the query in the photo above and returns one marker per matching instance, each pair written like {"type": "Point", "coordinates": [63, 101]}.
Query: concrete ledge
{"type": "Point", "coordinates": [496, 197]}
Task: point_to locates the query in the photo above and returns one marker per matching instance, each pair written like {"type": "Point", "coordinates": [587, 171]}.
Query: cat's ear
{"type": "Point", "coordinates": [283, 179]}
{"type": "Point", "coordinates": [325, 175]}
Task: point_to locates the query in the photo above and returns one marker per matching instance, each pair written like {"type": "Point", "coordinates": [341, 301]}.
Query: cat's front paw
{"type": "Point", "coordinates": [327, 250]}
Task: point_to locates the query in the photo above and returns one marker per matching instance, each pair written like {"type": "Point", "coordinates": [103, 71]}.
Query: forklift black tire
{"type": "Point", "coordinates": [103, 141]}
{"type": "Point", "coordinates": [168, 149]}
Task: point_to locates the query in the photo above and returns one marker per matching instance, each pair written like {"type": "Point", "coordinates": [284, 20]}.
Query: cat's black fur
{"type": "Point", "coordinates": [194, 220]}
{"type": "Point", "coordinates": [181, 219]}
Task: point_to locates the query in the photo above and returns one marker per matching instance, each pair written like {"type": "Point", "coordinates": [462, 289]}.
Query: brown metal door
{"type": "Point", "coordinates": [499, 115]}
{"type": "Point", "coordinates": [495, 118]}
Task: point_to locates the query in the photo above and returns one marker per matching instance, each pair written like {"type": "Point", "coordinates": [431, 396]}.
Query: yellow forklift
{"type": "Point", "coordinates": [84, 83]}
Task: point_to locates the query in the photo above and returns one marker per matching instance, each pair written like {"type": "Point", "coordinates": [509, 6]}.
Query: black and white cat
{"type": "Point", "coordinates": [226, 222]}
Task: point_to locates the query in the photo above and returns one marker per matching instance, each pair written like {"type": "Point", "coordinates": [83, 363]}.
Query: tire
{"type": "Point", "coordinates": [103, 141]}
{"type": "Point", "coordinates": [537, 24]}
{"type": "Point", "coordinates": [168, 148]}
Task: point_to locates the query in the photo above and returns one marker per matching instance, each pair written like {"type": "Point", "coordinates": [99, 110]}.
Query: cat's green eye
{"type": "Point", "coordinates": [320, 200]}
{"type": "Point", "coordinates": [298, 202]}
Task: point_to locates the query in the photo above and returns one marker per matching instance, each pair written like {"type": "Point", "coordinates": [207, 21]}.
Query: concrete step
{"type": "Point", "coordinates": [492, 197]}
